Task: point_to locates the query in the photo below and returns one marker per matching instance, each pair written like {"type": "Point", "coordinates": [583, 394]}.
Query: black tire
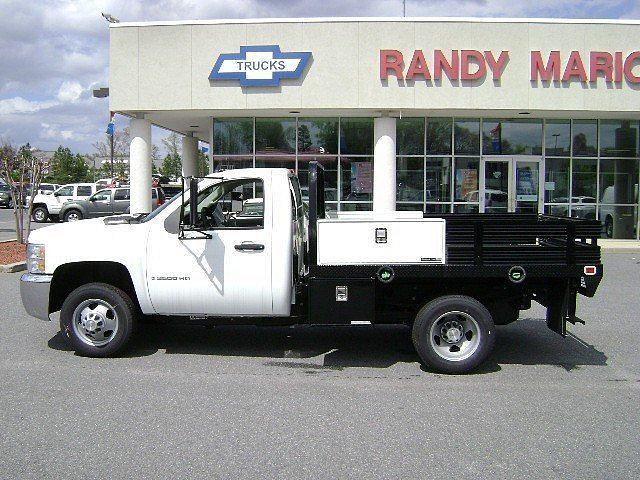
{"type": "Point", "coordinates": [432, 313]}
{"type": "Point", "coordinates": [123, 307]}
{"type": "Point", "coordinates": [70, 212]}
{"type": "Point", "coordinates": [40, 214]}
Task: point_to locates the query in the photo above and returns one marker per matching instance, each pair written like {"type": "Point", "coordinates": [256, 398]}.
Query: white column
{"type": "Point", "coordinates": [384, 164]}
{"type": "Point", "coordinates": [189, 156]}
{"type": "Point", "coordinates": [140, 165]}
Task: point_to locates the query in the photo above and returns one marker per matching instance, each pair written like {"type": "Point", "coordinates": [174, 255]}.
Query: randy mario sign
{"type": "Point", "coordinates": [612, 67]}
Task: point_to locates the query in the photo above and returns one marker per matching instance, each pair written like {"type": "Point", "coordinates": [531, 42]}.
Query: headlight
{"type": "Point", "coordinates": [35, 258]}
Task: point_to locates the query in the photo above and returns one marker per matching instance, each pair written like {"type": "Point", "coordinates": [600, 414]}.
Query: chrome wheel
{"type": "Point", "coordinates": [95, 322]}
{"type": "Point", "coordinates": [39, 215]}
{"type": "Point", "coordinates": [73, 217]}
{"type": "Point", "coordinates": [455, 336]}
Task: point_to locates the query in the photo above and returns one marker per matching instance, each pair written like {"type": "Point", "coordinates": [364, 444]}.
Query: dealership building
{"type": "Point", "coordinates": [432, 114]}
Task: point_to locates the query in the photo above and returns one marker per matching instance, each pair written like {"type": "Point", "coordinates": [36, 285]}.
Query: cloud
{"type": "Point", "coordinates": [53, 53]}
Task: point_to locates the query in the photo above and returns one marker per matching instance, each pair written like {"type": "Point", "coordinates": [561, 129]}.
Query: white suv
{"type": "Point", "coordinates": [49, 205]}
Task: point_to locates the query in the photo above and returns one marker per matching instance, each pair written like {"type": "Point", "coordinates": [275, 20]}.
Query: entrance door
{"type": "Point", "coordinates": [511, 184]}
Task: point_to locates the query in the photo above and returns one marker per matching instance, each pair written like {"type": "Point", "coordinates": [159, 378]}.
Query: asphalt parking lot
{"type": "Point", "coordinates": [8, 225]}
{"type": "Point", "coordinates": [244, 402]}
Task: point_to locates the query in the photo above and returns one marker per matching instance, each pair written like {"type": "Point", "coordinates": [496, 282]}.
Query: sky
{"type": "Point", "coordinates": [53, 53]}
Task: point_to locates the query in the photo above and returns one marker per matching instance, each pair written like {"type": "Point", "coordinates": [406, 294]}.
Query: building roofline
{"type": "Point", "coordinates": [379, 19]}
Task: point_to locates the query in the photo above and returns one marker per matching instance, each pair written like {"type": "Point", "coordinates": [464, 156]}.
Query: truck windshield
{"type": "Point", "coordinates": [153, 214]}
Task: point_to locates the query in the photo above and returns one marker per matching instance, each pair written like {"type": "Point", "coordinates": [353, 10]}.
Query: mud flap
{"type": "Point", "coordinates": [561, 307]}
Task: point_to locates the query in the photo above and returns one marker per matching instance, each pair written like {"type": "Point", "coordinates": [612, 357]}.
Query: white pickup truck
{"type": "Point", "coordinates": [238, 247]}
{"type": "Point", "coordinates": [48, 205]}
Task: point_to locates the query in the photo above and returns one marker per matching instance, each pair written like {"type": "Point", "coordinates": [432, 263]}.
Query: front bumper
{"type": "Point", "coordinates": [34, 291]}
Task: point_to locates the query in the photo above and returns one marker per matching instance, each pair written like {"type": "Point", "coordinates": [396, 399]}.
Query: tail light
{"type": "Point", "coordinates": [590, 270]}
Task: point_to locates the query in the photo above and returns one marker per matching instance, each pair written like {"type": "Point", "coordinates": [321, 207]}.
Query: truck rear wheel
{"type": "Point", "coordinates": [453, 334]}
{"type": "Point", "coordinates": [40, 214]}
{"type": "Point", "coordinates": [97, 319]}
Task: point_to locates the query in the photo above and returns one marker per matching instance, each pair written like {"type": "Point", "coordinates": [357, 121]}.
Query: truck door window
{"type": "Point", "coordinates": [64, 192]}
{"type": "Point", "coordinates": [102, 196]}
{"type": "Point", "coordinates": [231, 204]}
{"type": "Point", "coordinates": [121, 194]}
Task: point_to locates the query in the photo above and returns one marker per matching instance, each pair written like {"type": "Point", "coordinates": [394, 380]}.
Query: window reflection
{"type": "Point", "coordinates": [318, 135]}
{"type": "Point", "coordinates": [466, 179]}
{"type": "Point", "coordinates": [356, 179]}
{"type": "Point", "coordinates": [439, 136]}
{"type": "Point", "coordinates": [585, 138]}
{"type": "Point", "coordinates": [511, 137]}
{"type": "Point", "coordinates": [410, 136]}
{"type": "Point", "coordinates": [356, 136]}
{"type": "Point", "coordinates": [557, 138]}
{"type": "Point", "coordinates": [467, 136]}
{"type": "Point", "coordinates": [410, 179]}
{"type": "Point", "coordinates": [275, 135]}
{"type": "Point", "coordinates": [233, 136]}
{"type": "Point", "coordinates": [618, 181]}
{"type": "Point", "coordinates": [556, 180]}
{"type": "Point", "coordinates": [618, 138]}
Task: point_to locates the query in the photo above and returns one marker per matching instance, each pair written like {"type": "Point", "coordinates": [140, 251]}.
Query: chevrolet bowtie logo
{"type": "Point", "coordinates": [259, 66]}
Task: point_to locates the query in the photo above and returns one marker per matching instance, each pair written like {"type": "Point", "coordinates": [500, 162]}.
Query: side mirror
{"type": "Point", "coordinates": [91, 199]}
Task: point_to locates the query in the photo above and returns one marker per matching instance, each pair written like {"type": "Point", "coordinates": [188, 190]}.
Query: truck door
{"type": "Point", "coordinates": [227, 274]}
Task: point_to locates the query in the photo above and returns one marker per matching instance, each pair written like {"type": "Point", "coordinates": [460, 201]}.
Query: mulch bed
{"type": "Point", "coordinates": [12, 252]}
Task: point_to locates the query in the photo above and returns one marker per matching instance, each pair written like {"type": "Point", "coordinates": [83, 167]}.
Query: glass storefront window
{"type": "Point", "coordinates": [275, 136]}
{"type": "Point", "coordinates": [439, 136]}
{"type": "Point", "coordinates": [437, 208]}
{"type": "Point", "coordinates": [276, 161]}
{"type": "Point", "coordinates": [356, 207]}
{"type": "Point", "coordinates": [356, 136]}
{"type": "Point", "coordinates": [438, 179]}
{"type": "Point", "coordinates": [619, 138]}
{"type": "Point", "coordinates": [618, 221]}
{"type": "Point", "coordinates": [318, 136]}
{"type": "Point", "coordinates": [511, 137]}
{"type": "Point", "coordinates": [618, 181]}
{"type": "Point", "coordinates": [556, 180]}
{"type": "Point", "coordinates": [466, 136]}
{"type": "Point", "coordinates": [584, 180]}
{"type": "Point", "coordinates": [356, 174]}
{"type": "Point", "coordinates": [409, 207]}
{"type": "Point", "coordinates": [409, 179]}
{"type": "Point", "coordinates": [330, 165]}
{"type": "Point", "coordinates": [231, 163]}
{"type": "Point", "coordinates": [557, 210]}
{"type": "Point", "coordinates": [557, 138]}
{"type": "Point", "coordinates": [410, 136]}
{"type": "Point", "coordinates": [232, 136]}
{"type": "Point", "coordinates": [466, 179]}
{"type": "Point", "coordinates": [585, 138]}
{"type": "Point", "coordinates": [466, 208]}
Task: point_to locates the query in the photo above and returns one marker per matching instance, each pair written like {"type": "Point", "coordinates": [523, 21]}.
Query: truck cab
{"type": "Point", "coordinates": [239, 247]}
{"type": "Point", "coordinates": [48, 205]}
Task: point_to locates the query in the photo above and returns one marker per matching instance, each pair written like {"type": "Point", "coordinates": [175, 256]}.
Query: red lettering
{"type": "Point", "coordinates": [440, 63]}
{"type": "Point", "coordinates": [628, 68]}
{"type": "Point", "coordinates": [538, 68]}
{"type": "Point", "coordinates": [418, 66]}
{"type": "Point", "coordinates": [600, 62]}
{"type": "Point", "coordinates": [617, 72]}
{"type": "Point", "coordinates": [497, 67]}
{"type": "Point", "coordinates": [391, 60]}
{"type": "Point", "coordinates": [575, 68]}
{"type": "Point", "coordinates": [469, 57]}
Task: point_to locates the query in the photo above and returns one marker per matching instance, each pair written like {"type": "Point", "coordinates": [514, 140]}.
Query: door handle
{"type": "Point", "coordinates": [249, 246]}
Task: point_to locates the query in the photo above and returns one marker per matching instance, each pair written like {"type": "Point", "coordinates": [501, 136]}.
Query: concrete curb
{"type": "Point", "coordinates": [13, 267]}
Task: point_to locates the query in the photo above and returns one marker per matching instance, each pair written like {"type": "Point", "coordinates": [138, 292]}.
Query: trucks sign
{"type": "Point", "coordinates": [260, 66]}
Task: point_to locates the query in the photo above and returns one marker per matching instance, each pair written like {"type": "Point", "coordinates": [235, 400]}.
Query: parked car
{"type": "Point", "coordinates": [48, 188]}
{"type": "Point", "coordinates": [171, 189]}
{"type": "Point", "coordinates": [46, 206]}
{"type": "Point", "coordinates": [109, 201]}
{"type": "Point", "coordinates": [5, 196]}
{"type": "Point", "coordinates": [618, 220]}
{"type": "Point", "coordinates": [581, 207]}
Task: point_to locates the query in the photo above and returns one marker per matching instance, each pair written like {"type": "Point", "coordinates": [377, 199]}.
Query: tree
{"type": "Point", "coordinates": [22, 168]}
{"type": "Point", "coordinates": [171, 166]}
{"type": "Point", "coordinates": [121, 142]}
{"type": "Point", "coordinates": [67, 167]}
{"type": "Point", "coordinates": [203, 164]}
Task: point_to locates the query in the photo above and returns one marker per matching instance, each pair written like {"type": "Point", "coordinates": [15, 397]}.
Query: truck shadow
{"type": "Point", "coordinates": [526, 342]}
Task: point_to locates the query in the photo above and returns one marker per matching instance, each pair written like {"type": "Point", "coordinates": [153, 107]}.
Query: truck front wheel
{"type": "Point", "coordinates": [97, 319]}
{"type": "Point", "coordinates": [453, 334]}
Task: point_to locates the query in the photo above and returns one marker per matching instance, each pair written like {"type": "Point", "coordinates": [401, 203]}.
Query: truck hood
{"type": "Point", "coordinates": [67, 230]}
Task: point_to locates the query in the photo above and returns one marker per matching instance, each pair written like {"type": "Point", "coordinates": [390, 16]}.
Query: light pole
{"type": "Point", "coordinates": [404, 8]}
{"type": "Point", "coordinates": [555, 148]}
